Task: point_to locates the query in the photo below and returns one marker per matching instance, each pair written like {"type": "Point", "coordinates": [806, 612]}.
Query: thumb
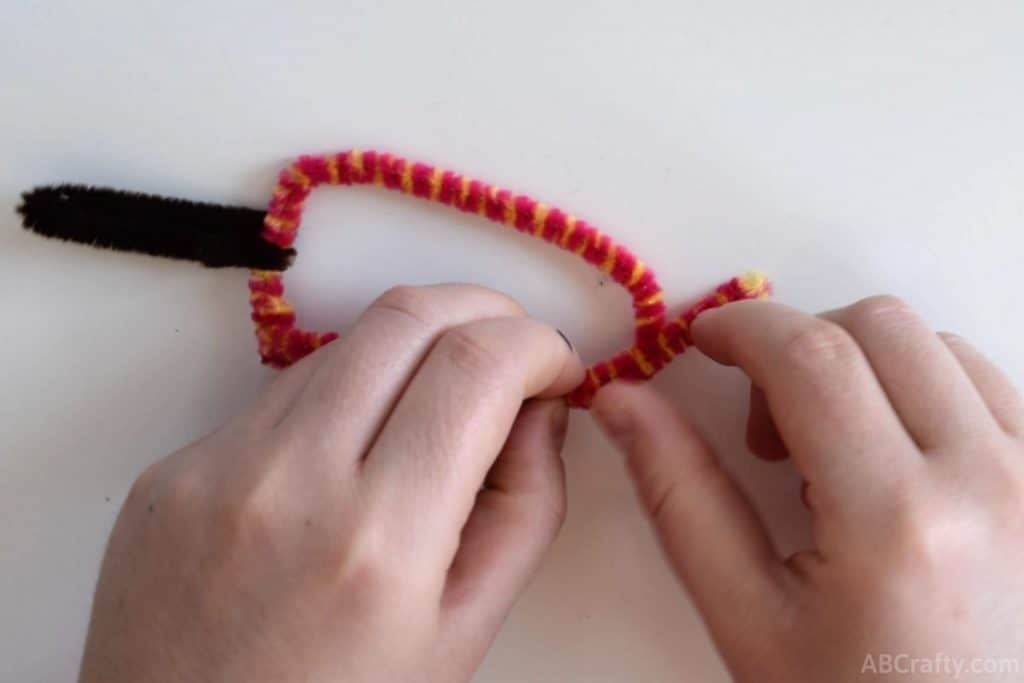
{"type": "Point", "coordinates": [713, 540]}
{"type": "Point", "coordinates": [517, 515]}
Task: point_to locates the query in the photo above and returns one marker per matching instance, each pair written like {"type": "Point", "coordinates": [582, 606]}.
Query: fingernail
{"type": "Point", "coordinates": [565, 339]}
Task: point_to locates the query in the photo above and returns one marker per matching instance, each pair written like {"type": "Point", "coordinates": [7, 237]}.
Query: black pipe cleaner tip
{"type": "Point", "coordinates": [214, 235]}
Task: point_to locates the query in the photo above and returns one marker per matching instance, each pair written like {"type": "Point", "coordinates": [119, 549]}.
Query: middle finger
{"type": "Point", "coordinates": [931, 392]}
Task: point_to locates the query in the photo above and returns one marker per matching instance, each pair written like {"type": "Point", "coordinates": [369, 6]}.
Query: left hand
{"type": "Point", "coordinates": [372, 517]}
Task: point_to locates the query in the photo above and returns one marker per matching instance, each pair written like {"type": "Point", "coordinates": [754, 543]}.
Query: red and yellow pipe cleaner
{"type": "Point", "coordinates": [657, 338]}
{"type": "Point", "coordinates": [225, 236]}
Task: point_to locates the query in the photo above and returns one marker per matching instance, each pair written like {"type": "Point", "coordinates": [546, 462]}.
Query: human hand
{"type": "Point", "coordinates": [911, 446]}
{"type": "Point", "coordinates": [372, 517]}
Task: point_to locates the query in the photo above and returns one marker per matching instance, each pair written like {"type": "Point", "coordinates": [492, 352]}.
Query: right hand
{"type": "Point", "coordinates": [911, 446]}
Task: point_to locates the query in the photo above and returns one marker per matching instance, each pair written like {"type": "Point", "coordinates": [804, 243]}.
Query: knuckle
{"type": "Point", "coordinates": [884, 308]}
{"type": "Point", "coordinates": [935, 528]}
{"type": "Point", "coordinates": [931, 532]}
{"type": "Point", "coordinates": [424, 306]}
{"type": "Point", "coordinates": [144, 486]}
{"type": "Point", "coordinates": [184, 491]}
{"type": "Point", "coordinates": [503, 303]}
{"type": "Point", "coordinates": [414, 303]}
{"type": "Point", "coordinates": [660, 503]}
{"type": "Point", "coordinates": [1004, 488]}
{"type": "Point", "coordinates": [920, 539]}
{"type": "Point", "coordinates": [467, 351]}
{"type": "Point", "coordinates": [821, 343]}
{"type": "Point", "coordinates": [246, 508]}
{"type": "Point", "coordinates": [250, 511]}
{"type": "Point", "coordinates": [498, 303]}
{"type": "Point", "coordinates": [367, 564]}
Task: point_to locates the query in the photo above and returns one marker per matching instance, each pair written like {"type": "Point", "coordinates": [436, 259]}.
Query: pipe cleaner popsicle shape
{"type": "Point", "coordinates": [656, 341]}
{"type": "Point", "coordinates": [232, 236]}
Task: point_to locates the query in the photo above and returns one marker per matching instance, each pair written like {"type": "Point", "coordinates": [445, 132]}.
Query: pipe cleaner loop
{"type": "Point", "coordinates": [656, 339]}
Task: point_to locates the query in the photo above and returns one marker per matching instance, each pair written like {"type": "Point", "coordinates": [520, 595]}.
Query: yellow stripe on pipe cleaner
{"type": "Point", "coordinates": [641, 361]}
{"type": "Point", "coordinates": [406, 177]}
{"type": "Point", "coordinates": [640, 322]}
{"type": "Point", "coordinates": [332, 169]}
{"type": "Point", "coordinates": [638, 272]}
{"type": "Point", "coordinates": [665, 348]}
{"type": "Point", "coordinates": [570, 227]}
{"type": "Point", "coordinates": [609, 260]}
{"type": "Point", "coordinates": [586, 242]}
{"type": "Point", "coordinates": [481, 208]}
{"type": "Point", "coordinates": [299, 177]}
{"type": "Point", "coordinates": [540, 217]}
{"type": "Point", "coordinates": [510, 211]}
{"type": "Point", "coordinates": [278, 223]}
{"type": "Point", "coordinates": [652, 299]}
{"type": "Point", "coordinates": [355, 160]}
{"type": "Point", "coordinates": [435, 183]}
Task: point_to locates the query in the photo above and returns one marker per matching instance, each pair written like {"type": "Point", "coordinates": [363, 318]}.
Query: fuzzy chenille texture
{"type": "Point", "coordinates": [657, 337]}
{"type": "Point", "coordinates": [220, 236]}
{"type": "Point", "coordinates": [214, 235]}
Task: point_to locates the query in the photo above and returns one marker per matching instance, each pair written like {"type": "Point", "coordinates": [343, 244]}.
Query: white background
{"type": "Point", "coordinates": [846, 148]}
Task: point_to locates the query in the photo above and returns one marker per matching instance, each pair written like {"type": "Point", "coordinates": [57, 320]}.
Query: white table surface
{"type": "Point", "coordinates": [846, 148]}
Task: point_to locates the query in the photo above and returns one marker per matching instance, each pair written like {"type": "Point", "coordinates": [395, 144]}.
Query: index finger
{"type": "Point", "coordinates": [830, 409]}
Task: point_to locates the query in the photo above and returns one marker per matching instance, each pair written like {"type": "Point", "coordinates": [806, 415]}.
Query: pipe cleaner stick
{"type": "Point", "coordinates": [222, 236]}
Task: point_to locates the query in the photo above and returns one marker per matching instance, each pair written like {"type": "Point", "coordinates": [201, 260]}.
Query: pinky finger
{"type": "Point", "coordinates": [1002, 399]}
